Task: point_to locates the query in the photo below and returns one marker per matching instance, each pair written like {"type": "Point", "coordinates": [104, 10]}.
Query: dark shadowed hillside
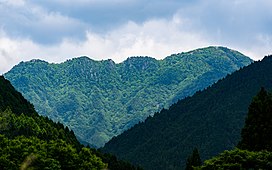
{"type": "Point", "coordinates": [16, 106]}
{"type": "Point", "coordinates": [101, 99]}
{"type": "Point", "coordinates": [254, 150]}
{"type": "Point", "coordinates": [210, 120]}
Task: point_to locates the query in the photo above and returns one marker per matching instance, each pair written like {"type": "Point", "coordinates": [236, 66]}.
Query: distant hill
{"type": "Point", "coordinates": [101, 99]}
{"type": "Point", "coordinates": [210, 120]}
{"type": "Point", "coordinates": [31, 141]}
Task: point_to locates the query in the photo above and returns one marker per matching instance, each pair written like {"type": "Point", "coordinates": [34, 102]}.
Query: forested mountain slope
{"type": "Point", "coordinates": [254, 150]}
{"type": "Point", "coordinates": [210, 120]}
{"type": "Point", "coordinates": [14, 106]}
{"type": "Point", "coordinates": [101, 99]}
{"type": "Point", "coordinates": [31, 141]}
{"type": "Point", "coordinates": [28, 140]}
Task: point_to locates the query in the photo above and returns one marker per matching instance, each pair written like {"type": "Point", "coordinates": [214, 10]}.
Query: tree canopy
{"type": "Point", "coordinates": [30, 141]}
{"type": "Point", "coordinates": [257, 132]}
{"type": "Point", "coordinates": [254, 149]}
{"type": "Point", "coordinates": [193, 160]}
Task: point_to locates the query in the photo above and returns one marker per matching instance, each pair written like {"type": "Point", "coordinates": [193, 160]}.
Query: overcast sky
{"type": "Point", "coordinates": [56, 30]}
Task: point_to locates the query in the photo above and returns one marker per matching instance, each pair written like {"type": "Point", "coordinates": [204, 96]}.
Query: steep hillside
{"type": "Point", "coordinates": [210, 120]}
{"type": "Point", "coordinates": [31, 141]}
{"type": "Point", "coordinates": [28, 140]}
{"type": "Point", "coordinates": [101, 99]}
{"type": "Point", "coordinates": [14, 108]}
{"type": "Point", "coordinates": [255, 146]}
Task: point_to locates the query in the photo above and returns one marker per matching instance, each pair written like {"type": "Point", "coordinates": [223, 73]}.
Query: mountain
{"type": "Point", "coordinates": [31, 141]}
{"type": "Point", "coordinates": [14, 106]}
{"type": "Point", "coordinates": [101, 99]}
{"type": "Point", "coordinates": [210, 120]}
{"type": "Point", "coordinates": [28, 140]}
{"type": "Point", "coordinates": [254, 150]}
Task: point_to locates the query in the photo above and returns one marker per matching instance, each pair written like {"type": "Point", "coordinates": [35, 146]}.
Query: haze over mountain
{"type": "Point", "coordinates": [101, 99]}
{"type": "Point", "coordinates": [210, 120]}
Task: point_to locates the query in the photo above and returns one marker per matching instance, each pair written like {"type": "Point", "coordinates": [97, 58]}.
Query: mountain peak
{"type": "Point", "coordinates": [139, 63]}
{"type": "Point", "coordinates": [81, 58]}
{"type": "Point", "coordinates": [37, 61]}
{"type": "Point", "coordinates": [100, 99]}
{"type": "Point", "coordinates": [139, 59]}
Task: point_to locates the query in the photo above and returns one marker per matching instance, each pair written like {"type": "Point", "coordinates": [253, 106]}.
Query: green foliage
{"type": "Point", "coordinates": [240, 160]}
{"type": "Point", "coordinates": [37, 154]}
{"type": "Point", "coordinates": [47, 150]}
{"type": "Point", "coordinates": [101, 99]}
{"type": "Point", "coordinates": [114, 163]}
{"type": "Point", "coordinates": [193, 160]}
{"type": "Point", "coordinates": [256, 139]}
{"type": "Point", "coordinates": [30, 141]}
{"type": "Point", "coordinates": [9, 97]}
{"type": "Point", "coordinates": [210, 120]}
{"type": "Point", "coordinates": [18, 117]}
{"type": "Point", "coordinates": [257, 133]}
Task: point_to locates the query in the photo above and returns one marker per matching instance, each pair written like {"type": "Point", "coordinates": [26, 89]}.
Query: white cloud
{"type": "Point", "coordinates": [157, 38]}
{"type": "Point", "coordinates": [30, 30]}
{"type": "Point", "coordinates": [27, 20]}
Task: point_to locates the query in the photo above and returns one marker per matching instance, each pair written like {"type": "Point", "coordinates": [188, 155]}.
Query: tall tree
{"type": "Point", "coordinates": [257, 132]}
{"type": "Point", "coordinates": [193, 160]}
{"type": "Point", "coordinates": [255, 148]}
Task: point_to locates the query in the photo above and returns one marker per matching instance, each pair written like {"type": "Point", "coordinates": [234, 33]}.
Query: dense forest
{"type": "Point", "coordinates": [254, 151]}
{"type": "Point", "coordinates": [101, 99]}
{"type": "Point", "coordinates": [31, 141]}
{"type": "Point", "coordinates": [211, 120]}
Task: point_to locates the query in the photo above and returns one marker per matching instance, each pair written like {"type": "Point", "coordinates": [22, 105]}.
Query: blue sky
{"type": "Point", "coordinates": [56, 30]}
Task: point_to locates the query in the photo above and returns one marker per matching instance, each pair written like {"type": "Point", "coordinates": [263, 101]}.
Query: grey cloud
{"type": "Point", "coordinates": [236, 22]}
{"type": "Point", "coordinates": [39, 24]}
{"type": "Point", "coordinates": [117, 9]}
{"type": "Point", "coordinates": [73, 18]}
{"type": "Point", "coordinates": [242, 24]}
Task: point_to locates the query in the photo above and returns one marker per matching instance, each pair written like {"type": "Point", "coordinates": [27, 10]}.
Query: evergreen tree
{"type": "Point", "coordinates": [193, 160]}
{"type": "Point", "coordinates": [254, 149]}
{"type": "Point", "coordinates": [257, 132]}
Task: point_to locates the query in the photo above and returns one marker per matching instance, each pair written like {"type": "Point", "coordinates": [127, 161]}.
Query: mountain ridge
{"type": "Point", "coordinates": [100, 99]}
{"type": "Point", "coordinates": [210, 120]}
